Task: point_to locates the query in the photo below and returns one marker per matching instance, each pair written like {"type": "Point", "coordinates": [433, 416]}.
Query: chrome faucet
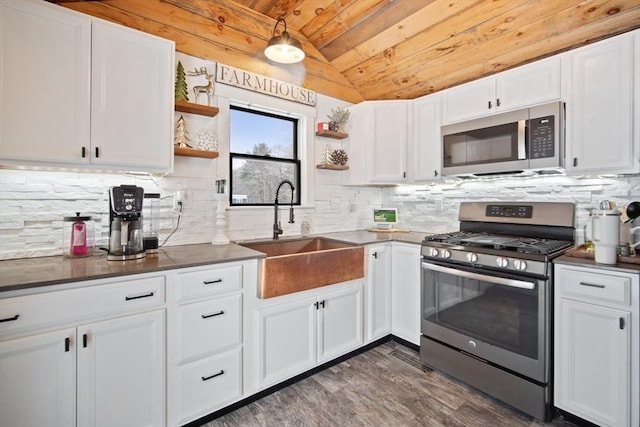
{"type": "Point", "coordinates": [277, 230]}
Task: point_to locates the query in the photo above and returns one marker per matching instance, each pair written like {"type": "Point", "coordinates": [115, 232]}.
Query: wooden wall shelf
{"type": "Point", "coordinates": [332, 134]}
{"type": "Point", "coordinates": [332, 167]}
{"type": "Point", "coordinates": [190, 107]}
{"type": "Point", "coordinates": [193, 152]}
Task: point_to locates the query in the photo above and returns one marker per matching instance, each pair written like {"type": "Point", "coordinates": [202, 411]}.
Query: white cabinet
{"type": "Point", "coordinates": [131, 99]}
{"type": "Point", "coordinates": [405, 267]}
{"type": "Point", "coordinates": [530, 84]}
{"type": "Point", "coordinates": [205, 340]}
{"type": "Point", "coordinates": [305, 331]}
{"type": "Point", "coordinates": [45, 73]}
{"type": "Point", "coordinates": [377, 144]}
{"type": "Point", "coordinates": [38, 380]}
{"type": "Point", "coordinates": [599, 82]}
{"type": "Point", "coordinates": [121, 371]}
{"type": "Point", "coordinates": [81, 92]}
{"type": "Point", "coordinates": [103, 366]}
{"type": "Point", "coordinates": [425, 148]}
{"type": "Point", "coordinates": [377, 292]}
{"type": "Point", "coordinates": [596, 344]}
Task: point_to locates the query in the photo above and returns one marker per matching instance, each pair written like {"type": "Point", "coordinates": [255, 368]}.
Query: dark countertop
{"type": "Point", "coordinates": [20, 274]}
{"type": "Point", "coordinates": [33, 272]}
{"type": "Point", "coordinates": [589, 262]}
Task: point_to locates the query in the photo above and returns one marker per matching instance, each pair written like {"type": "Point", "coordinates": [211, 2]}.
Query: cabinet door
{"type": "Point", "coordinates": [45, 67]}
{"type": "Point", "coordinates": [600, 108]}
{"type": "Point", "coordinates": [287, 340]}
{"type": "Point", "coordinates": [132, 99]}
{"type": "Point", "coordinates": [468, 101]}
{"type": "Point", "coordinates": [405, 295]}
{"type": "Point", "coordinates": [121, 372]}
{"type": "Point", "coordinates": [528, 85]}
{"type": "Point", "coordinates": [38, 380]}
{"type": "Point", "coordinates": [378, 292]}
{"type": "Point", "coordinates": [592, 374]}
{"type": "Point", "coordinates": [340, 328]}
{"type": "Point", "coordinates": [388, 141]}
{"type": "Point", "coordinates": [426, 142]}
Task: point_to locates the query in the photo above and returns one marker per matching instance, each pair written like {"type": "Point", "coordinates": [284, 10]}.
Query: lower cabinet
{"type": "Point", "coordinates": [405, 291]}
{"type": "Point", "coordinates": [205, 339]}
{"type": "Point", "coordinates": [596, 344]}
{"type": "Point", "coordinates": [299, 334]}
{"type": "Point", "coordinates": [89, 372]}
{"type": "Point", "coordinates": [377, 292]}
{"type": "Point", "coordinates": [38, 380]}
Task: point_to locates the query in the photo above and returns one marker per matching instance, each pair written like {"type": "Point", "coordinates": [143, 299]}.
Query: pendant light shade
{"type": "Point", "coordinates": [284, 48]}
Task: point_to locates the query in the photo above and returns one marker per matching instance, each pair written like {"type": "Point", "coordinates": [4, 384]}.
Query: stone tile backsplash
{"type": "Point", "coordinates": [33, 203]}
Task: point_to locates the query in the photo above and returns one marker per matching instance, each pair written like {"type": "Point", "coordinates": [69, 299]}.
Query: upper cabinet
{"type": "Point", "coordinates": [425, 142]}
{"type": "Point", "coordinates": [45, 74]}
{"type": "Point", "coordinates": [527, 85]}
{"type": "Point", "coordinates": [377, 143]}
{"type": "Point", "coordinates": [599, 83]}
{"type": "Point", "coordinates": [131, 99]}
{"type": "Point", "coordinates": [80, 92]}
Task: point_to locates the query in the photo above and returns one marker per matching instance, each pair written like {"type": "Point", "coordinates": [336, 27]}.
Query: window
{"type": "Point", "coordinates": [263, 153]}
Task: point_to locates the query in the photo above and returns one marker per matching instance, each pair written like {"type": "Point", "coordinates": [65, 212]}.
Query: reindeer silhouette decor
{"type": "Point", "coordinates": [208, 88]}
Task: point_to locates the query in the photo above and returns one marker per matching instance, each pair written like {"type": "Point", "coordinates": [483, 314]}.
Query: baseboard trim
{"type": "Point", "coordinates": [262, 393]}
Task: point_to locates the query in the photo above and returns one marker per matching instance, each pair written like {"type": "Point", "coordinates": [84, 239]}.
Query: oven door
{"type": "Point", "coordinates": [501, 318]}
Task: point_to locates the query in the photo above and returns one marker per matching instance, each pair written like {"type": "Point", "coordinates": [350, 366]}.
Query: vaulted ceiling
{"type": "Point", "coordinates": [375, 49]}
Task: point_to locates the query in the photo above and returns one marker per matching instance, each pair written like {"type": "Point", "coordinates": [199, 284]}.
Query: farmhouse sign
{"type": "Point", "coordinates": [257, 83]}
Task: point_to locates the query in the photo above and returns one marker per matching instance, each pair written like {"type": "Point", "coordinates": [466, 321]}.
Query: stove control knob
{"type": "Point", "coordinates": [502, 262]}
{"type": "Point", "coordinates": [472, 257]}
{"type": "Point", "coordinates": [520, 264]}
{"type": "Point", "coordinates": [445, 253]}
{"type": "Point", "coordinates": [433, 252]}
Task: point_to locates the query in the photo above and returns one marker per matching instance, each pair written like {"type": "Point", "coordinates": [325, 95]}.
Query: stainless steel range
{"type": "Point", "coordinates": [486, 298]}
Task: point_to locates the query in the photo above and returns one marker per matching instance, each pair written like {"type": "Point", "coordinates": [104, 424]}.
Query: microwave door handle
{"type": "Point", "coordinates": [469, 275]}
{"type": "Point", "coordinates": [522, 135]}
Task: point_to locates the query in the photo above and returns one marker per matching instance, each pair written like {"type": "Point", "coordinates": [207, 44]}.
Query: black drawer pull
{"type": "Point", "coordinates": [150, 294]}
{"type": "Point", "coordinates": [209, 282]}
{"type": "Point", "coordinates": [622, 323]}
{"type": "Point", "coordinates": [10, 319]}
{"type": "Point", "coordinates": [84, 152]}
{"type": "Point", "coordinates": [97, 152]}
{"type": "Point", "coordinates": [85, 339]}
{"type": "Point", "coordinates": [67, 344]}
{"type": "Point", "coordinates": [206, 316]}
{"type": "Point", "coordinates": [213, 376]}
{"type": "Point", "coordinates": [592, 285]}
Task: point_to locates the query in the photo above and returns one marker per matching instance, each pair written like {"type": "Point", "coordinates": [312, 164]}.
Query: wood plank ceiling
{"type": "Point", "coordinates": [375, 49]}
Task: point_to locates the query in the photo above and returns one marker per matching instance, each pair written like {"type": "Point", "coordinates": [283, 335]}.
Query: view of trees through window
{"type": "Point", "coordinates": [263, 153]}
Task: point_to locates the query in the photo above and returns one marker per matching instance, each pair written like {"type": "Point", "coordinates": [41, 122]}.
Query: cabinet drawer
{"type": "Point", "coordinates": [209, 384]}
{"type": "Point", "coordinates": [599, 287]}
{"type": "Point", "coordinates": [23, 314]}
{"type": "Point", "coordinates": [208, 281]}
{"type": "Point", "coordinates": [209, 326]}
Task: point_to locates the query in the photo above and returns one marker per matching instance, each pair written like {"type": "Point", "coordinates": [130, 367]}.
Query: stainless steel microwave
{"type": "Point", "coordinates": [515, 142]}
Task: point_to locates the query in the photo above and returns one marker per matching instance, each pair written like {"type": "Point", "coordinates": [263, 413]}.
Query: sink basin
{"type": "Point", "coordinates": [295, 265]}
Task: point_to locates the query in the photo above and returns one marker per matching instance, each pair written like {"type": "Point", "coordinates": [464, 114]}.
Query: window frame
{"type": "Point", "coordinates": [295, 161]}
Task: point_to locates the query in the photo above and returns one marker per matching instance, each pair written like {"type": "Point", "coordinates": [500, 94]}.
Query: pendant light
{"type": "Point", "coordinates": [284, 48]}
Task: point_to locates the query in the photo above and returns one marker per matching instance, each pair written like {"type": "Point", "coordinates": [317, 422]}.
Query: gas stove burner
{"type": "Point", "coordinates": [517, 243]}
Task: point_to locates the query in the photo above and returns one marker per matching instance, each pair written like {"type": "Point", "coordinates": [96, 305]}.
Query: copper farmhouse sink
{"type": "Point", "coordinates": [300, 264]}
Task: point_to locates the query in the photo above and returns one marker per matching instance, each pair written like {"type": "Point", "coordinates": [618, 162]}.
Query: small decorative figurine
{"type": "Point", "coordinates": [181, 91]}
{"type": "Point", "coordinates": [208, 88]}
{"type": "Point", "coordinates": [182, 134]}
{"type": "Point", "coordinates": [339, 157]}
{"type": "Point", "coordinates": [206, 139]}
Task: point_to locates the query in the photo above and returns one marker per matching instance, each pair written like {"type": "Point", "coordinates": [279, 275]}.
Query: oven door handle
{"type": "Point", "coordinates": [487, 278]}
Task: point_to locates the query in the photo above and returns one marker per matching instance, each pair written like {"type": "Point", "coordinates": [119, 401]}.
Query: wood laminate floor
{"type": "Point", "coordinates": [385, 386]}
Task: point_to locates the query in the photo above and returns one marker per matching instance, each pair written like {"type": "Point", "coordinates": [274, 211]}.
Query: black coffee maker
{"type": "Point", "coordinates": [125, 223]}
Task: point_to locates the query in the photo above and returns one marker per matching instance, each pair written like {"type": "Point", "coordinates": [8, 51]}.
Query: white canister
{"type": "Point", "coordinates": [605, 231]}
